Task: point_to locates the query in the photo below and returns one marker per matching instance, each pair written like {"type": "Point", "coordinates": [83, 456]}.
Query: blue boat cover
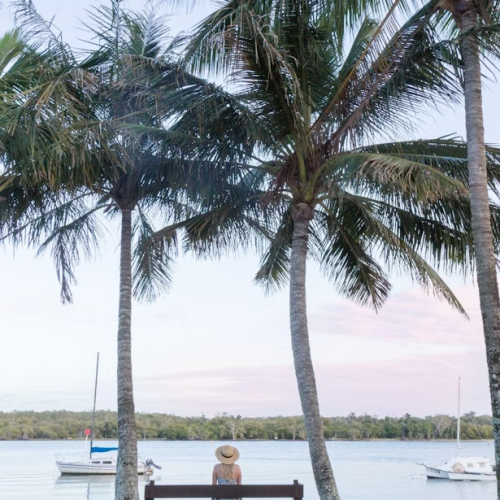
{"type": "Point", "coordinates": [97, 449]}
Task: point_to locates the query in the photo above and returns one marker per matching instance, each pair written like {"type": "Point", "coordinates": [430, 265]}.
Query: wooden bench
{"type": "Point", "coordinates": [295, 491]}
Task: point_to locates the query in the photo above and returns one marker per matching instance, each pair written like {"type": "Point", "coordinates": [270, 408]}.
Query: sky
{"type": "Point", "coordinates": [216, 342]}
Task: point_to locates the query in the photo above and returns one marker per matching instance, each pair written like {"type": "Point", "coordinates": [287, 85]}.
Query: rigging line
{"type": "Point", "coordinates": [479, 433]}
{"type": "Point", "coordinates": [93, 411]}
{"type": "Point", "coordinates": [458, 419]}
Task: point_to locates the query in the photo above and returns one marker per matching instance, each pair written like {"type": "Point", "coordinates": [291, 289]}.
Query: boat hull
{"type": "Point", "coordinates": [434, 473]}
{"type": "Point", "coordinates": [81, 468]}
{"type": "Point", "coordinates": [438, 473]}
{"type": "Point", "coordinates": [472, 477]}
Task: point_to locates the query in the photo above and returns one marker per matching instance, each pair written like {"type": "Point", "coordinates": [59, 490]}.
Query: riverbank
{"type": "Point", "coordinates": [61, 425]}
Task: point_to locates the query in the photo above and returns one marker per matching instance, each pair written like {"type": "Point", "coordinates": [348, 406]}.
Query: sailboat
{"type": "Point", "coordinates": [460, 468]}
{"type": "Point", "coordinates": [103, 464]}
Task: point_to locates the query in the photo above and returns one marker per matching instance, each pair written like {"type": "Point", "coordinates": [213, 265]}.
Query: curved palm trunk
{"type": "Point", "coordinates": [304, 371]}
{"type": "Point", "coordinates": [126, 486]}
{"type": "Point", "coordinates": [481, 219]}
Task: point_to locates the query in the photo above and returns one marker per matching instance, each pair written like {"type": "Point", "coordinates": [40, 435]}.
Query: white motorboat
{"type": "Point", "coordinates": [104, 465]}
{"type": "Point", "coordinates": [462, 468]}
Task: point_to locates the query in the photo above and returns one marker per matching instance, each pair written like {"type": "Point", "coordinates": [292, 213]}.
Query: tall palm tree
{"type": "Point", "coordinates": [342, 199]}
{"type": "Point", "coordinates": [113, 157]}
{"type": "Point", "coordinates": [470, 15]}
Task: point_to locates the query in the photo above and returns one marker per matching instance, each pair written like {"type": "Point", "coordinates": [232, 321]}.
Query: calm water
{"type": "Point", "coordinates": [364, 470]}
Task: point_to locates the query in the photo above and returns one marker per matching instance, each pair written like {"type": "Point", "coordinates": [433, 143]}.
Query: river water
{"type": "Point", "coordinates": [375, 470]}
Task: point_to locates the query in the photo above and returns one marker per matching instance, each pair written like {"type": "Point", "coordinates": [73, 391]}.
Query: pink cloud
{"type": "Point", "coordinates": [408, 316]}
{"type": "Point", "coordinates": [419, 385]}
{"type": "Point", "coordinates": [257, 391]}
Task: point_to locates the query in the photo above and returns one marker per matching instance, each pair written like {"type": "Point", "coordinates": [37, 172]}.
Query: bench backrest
{"type": "Point", "coordinates": [294, 490]}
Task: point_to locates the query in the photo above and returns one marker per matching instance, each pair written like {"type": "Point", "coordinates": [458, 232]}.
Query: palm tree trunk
{"type": "Point", "coordinates": [304, 371]}
{"type": "Point", "coordinates": [481, 218]}
{"type": "Point", "coordinates": [126, 486]}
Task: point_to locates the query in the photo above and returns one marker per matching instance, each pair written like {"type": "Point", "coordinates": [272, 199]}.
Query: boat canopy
{"type": "Point", "coordinates": [98, 449]}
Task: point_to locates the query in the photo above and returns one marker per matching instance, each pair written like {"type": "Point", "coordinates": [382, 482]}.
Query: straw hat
{"type": "Point", "coordinates": [227, 454]}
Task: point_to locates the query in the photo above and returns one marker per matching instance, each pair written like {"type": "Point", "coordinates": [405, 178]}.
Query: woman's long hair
{"type": "Point", "coordinates": [227, 471]}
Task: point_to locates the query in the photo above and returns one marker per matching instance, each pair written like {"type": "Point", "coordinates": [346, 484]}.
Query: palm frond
{"type": "Point", "coordinates": [346, 259]}
{"type": "Point", "coordinates": [274, 266]}
{"type": "Point", "coordinates": [38, 31]}
{"type": "Point", "coordinates": [419, 270]}
{"type": "Point", "coordinates": [401, 70]}
{"type": "Point", "coordinates": [69, 242]}
{"type": "Point", "coordinates": [446, 154]}
{"type": "Point", "coordinates": [152, 260]}
{"type": "Point", "coordinates": [390, 174]}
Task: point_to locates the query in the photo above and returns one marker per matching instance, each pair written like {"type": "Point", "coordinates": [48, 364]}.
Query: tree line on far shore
{"type": "Point", "coordinates": [71, 425]}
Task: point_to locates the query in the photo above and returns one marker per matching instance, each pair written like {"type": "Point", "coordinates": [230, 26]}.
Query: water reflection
{"type": "Point", "coordinates": [64, 480]}
{"type": "Point", "coordinates": [89, 487]}
{"type": "Point", "coordinates": [466, 490]}
{"type": "Point", "coordinates": [85, 487]}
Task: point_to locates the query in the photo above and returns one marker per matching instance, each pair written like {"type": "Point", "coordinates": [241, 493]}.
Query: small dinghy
{"type": "Point", "coordinates": [104, 464]}
{"type": "Point", "coordinates": [101, 465]}
{"type": "Point", "coordinates": [462, 468]}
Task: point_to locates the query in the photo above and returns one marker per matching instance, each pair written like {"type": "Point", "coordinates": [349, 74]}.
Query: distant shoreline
{"type": "Point", "coordinates": [63, 425]}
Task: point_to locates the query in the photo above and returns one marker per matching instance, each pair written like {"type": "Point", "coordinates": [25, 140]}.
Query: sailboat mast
{"type": "Point", "coordinates": [93, 410]}
{"type": "Point", "coordinates": [458, 420]}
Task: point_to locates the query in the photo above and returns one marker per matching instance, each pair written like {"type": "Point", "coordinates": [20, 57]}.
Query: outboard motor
{"type": "Point", "coordinates": [149, 463]}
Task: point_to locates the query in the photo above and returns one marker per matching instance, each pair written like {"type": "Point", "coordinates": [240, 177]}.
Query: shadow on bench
{"type": "Point", "coordinates": [295, 491]}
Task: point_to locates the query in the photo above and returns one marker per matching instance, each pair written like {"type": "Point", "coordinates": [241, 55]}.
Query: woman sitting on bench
{"type": "Point", "coordinates": [227, 472]}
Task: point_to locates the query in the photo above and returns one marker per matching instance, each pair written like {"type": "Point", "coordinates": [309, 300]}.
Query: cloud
{"type": "Point", "coordinates": [257, 391]}
{"type": "Point", "coordinates": [409, 316]}
{"type": "Point", "coordinates": [419, 385]}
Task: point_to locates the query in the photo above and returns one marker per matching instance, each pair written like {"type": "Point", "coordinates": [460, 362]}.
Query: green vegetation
{"type": "Point", "coordinates": [66, 424]}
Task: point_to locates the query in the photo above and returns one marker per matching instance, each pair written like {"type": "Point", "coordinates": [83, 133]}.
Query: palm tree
{"type": "Point", "coordinates": [107, 177]}
{"type": "Point", "coordinates": [469, 16]}
{"type": "Point", "coordinates": [112, 157]}
{"type": "Point", "coordinates": [341, 199]}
